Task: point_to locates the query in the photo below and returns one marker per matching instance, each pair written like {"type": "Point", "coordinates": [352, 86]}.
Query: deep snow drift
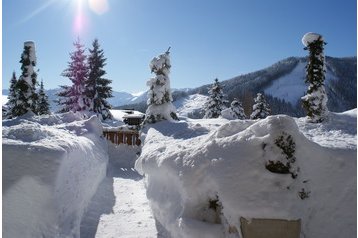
{"type": "Point", "coordinates": [202, 176]}
{"type": "Point", "coordinates": [52, 166]}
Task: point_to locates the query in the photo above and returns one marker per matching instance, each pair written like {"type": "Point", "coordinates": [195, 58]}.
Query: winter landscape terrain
{"type": "Point", "coordinates": [63, 179]}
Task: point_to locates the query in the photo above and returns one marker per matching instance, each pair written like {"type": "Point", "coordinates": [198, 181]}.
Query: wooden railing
{"type": "Point", "coordinates": [123, 137]}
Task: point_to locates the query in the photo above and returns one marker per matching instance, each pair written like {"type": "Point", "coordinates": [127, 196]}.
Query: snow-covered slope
{"type": "Point", "coordinates": [52, 166]}
{"type": "Point", "coordinates": [190, 105]}
{"type": "Point", "coordinates": [210, 173]}
{"type": "Point", "coordinates": [291, 87]}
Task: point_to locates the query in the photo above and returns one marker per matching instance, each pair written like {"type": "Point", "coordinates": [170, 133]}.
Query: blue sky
{"type": "Point", "coordinates": [209, 38]}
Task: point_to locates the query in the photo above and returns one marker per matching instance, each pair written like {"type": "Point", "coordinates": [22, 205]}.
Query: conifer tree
{"type": "Point", "coordinates": [261, 108]}
{"type": "Point", "coordinates": [216, 102]}
{"type": "Point", "coordinates": [73, 98]}
{"type": "Point", "coordinates": [160, 99]}
{"type": "Point", "coordinates": [98, 88]}
{"type": "Point", "coordinates": [26, 85]}
{"type": "Point", "coordinates": [43, 104]}
{"type": "Point", "coordinates": [237, 109]}
{"type": "Point", "coordinates": [12, 97]}
{"type": "Point", "coordinates": [315, 100]}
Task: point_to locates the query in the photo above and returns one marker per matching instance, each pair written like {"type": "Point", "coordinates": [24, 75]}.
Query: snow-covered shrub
{"type": "Point", "coordinates": [160, 99]}
{"type": "Point", "coordinates": [235, 111]}
{"type": "Point", "coordinates": [43, 106]}
{"type": "Point", "coordinates": [261, 108]}
{"type": "Point", "coordinates": [315, 100]}
{"type": "Point", "coordinates": [288, 147]}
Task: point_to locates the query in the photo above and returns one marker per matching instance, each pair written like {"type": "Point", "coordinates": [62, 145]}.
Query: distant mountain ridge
{"type": "Point", "coordinates": [282, 83]}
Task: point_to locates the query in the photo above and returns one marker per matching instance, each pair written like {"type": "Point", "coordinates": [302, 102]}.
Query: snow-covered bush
{"type": "Point", "coordinates": [315, 100]}
{"type": "Point", "coordinates": [216, 102]}
{"type": "Point", "coordinates": [284, 165]}
{"type": "Point", "coordinates": [235, 111]}
{"type": "Point", "coordinates": [160, 99]}
{"type": "Point", "coordinates": [261, 108]}
{"type": "Point", "coordinates": [52, 166]}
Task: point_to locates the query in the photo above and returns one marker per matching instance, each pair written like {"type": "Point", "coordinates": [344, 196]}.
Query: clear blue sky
{"type": "Point", "coordinates": [209, 38]}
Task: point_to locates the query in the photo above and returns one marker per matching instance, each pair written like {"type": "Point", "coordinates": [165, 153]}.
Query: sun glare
{"type": "Point", "coordinates": [98, 6]}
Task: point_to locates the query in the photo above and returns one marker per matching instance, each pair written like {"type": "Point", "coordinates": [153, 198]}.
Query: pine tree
{"type": "Point", "coordinates": [261, 108]}
{"type": "Point", "coordinates": [237, 109]}
{"type": "Point", "coordinates": [315, 100]}
{"type": "Point", "coordinates": [12, 97]}
{"type": "Point", "coordinates": [73, 98]}
{"type": "Point", "coordinates": [160, 99]}
{"type": "Point", "coordinates": [26, 84]}
{"type": "Point", "coordinates": [98, 89]}
{"type": "Point", "coordinates": [216, 102]}
{"type": "Point", "coordinates": [43, 104]}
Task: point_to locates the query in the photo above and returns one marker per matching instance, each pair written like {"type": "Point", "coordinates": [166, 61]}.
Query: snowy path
{"type": "Point", "coordinates": [119, 208]}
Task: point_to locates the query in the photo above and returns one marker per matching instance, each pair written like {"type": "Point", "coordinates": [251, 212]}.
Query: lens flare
{"type": "Point", "coordinates": [98, 6]}
{"type": "Point", "coordinates": [80, 22]}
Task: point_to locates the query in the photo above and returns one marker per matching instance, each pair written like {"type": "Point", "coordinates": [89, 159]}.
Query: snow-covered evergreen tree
{"type": "Point", "coordinates": [43, 106]}
{"type": "Point", "coordinates": [12, 97]}
{"type": "Point", "coordinates": [73, 98]}
{"type": "Point", "coordinates": [98, 89]}
{"type": "Point", "coordinates": [237, 109]}
{"type": "Point", "coordinates": [160, 99]}
{"type": "Point", "coordinates": [315, 100]}
{"type": "Point", "coordinates": [261, 108]}
{"type": "Point", "coordinates": [26, 85]}
{"type": "Point", "coordinates": [216, 102]}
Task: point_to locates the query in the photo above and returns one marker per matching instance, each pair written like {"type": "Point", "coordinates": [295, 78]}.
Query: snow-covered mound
{"type": "Point", "coordinates": [191, 105]}
{"type": "Point", "coordinates": [52, 166]}
{"type": "Point", "coordinates": [211, 173]}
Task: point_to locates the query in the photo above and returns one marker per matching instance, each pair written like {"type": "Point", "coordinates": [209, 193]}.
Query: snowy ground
{"type": "Point", "coordinates": [52, 166]}
{"type": "Point", "coordinates": [120, 207]}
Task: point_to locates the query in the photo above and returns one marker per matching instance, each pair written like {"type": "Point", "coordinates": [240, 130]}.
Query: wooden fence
{"type": "Point", "coordinates": [123, 137]}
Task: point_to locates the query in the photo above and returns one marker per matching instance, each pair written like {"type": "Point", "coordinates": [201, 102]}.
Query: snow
{"type": "Point", "coordinates": [52, 166]}
{"type": "Point", "coordinates": [311, 37]}
{"type": "Point", "coordinates": [189, 105]}
{"type": "Point", "coordinates": [120, 207]}
{"type": "Point", "coordinates": [193, 163]}
{"type": "Point", "coordinates": [291, 87]}
{"type": "Point", "coordinates": [197, 178]}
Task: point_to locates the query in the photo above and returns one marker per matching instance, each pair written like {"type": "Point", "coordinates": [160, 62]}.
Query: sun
{"type": "Point", "coordinates": [98, 6]}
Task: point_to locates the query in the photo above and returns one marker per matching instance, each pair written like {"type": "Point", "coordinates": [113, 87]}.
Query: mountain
{"type": "Point", "coordinates": [118, 99]}
{"type": "Point", "coordinates": [283, 84]}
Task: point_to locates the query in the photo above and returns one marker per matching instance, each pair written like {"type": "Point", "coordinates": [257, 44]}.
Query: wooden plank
{"type": "Point", "coordinates": [270, 228]}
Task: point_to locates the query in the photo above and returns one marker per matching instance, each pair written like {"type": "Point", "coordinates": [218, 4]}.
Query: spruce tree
{"type": "Point", "coordinates": [12, 97]}
{"type": "Point", "coordinates": [216, 102]}
{"type": "Point", "coordinates": [43, 104]}
{"type": "Point", "coordinates": [98, 88]}
{"type": "Point", "coordinates": [315, 100]}
{"type": "Point", "coordinates": [27, 82]}
{"type": "Point", "coordinates": [73, 98]}
{"type": "Point", "coordinates": [160, 99]}
{"type": "Point", "coordinates": [260, 109]}
{"type": "Point", "coordinates": [237, 109]}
